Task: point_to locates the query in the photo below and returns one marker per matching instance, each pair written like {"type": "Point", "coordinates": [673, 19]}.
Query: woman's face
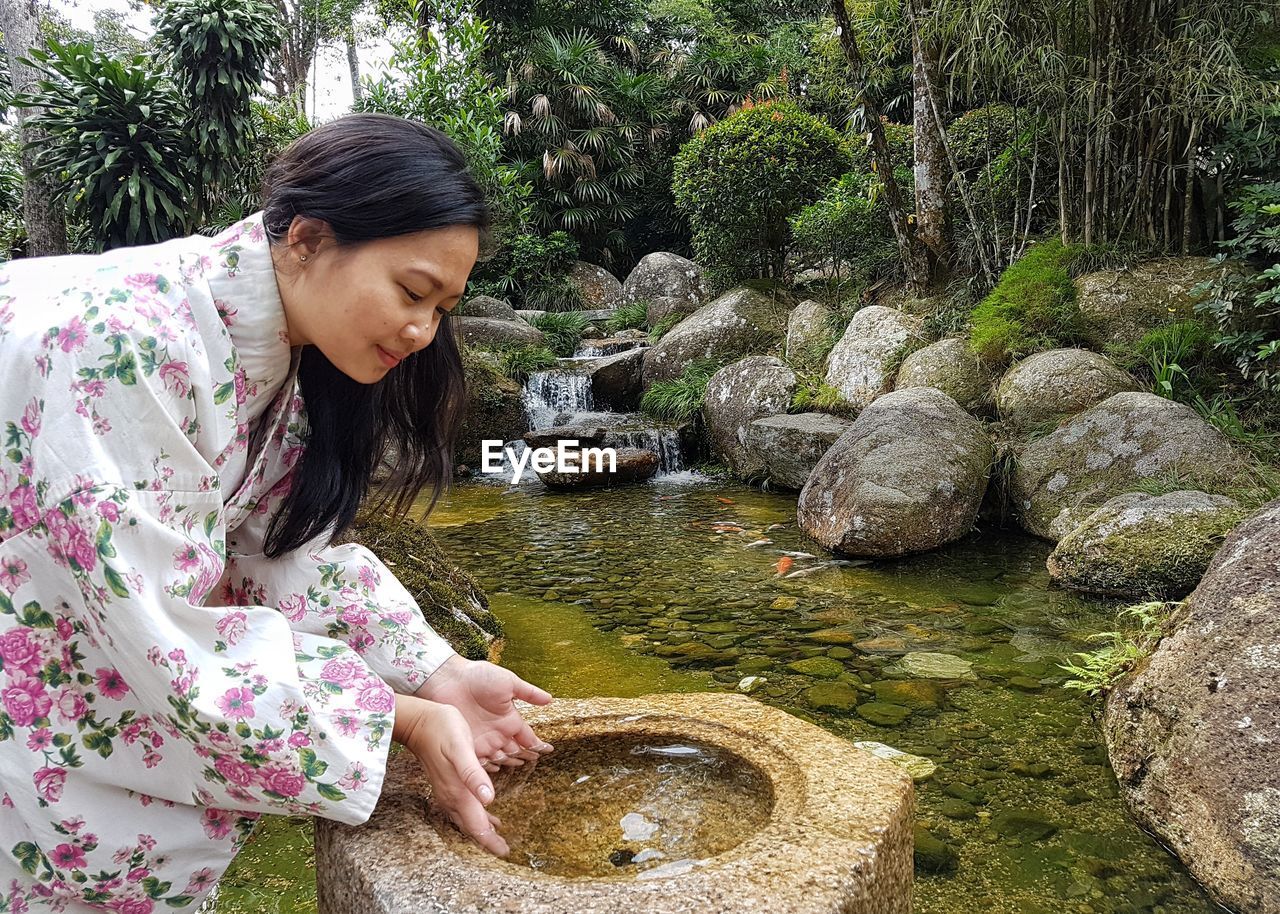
{"type": "Point", "coordinates": [368, 306]}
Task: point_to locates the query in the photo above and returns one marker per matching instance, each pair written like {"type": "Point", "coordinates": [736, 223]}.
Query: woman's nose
{"type": "Point", "coordinates": [417, 335]}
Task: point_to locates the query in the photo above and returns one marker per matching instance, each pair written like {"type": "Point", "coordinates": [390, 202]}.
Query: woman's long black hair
{"type": "Point", "coordinates": [371, 176]}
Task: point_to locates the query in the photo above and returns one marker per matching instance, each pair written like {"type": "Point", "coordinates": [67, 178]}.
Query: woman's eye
{"type": "Point", "coordinates": [414, 297]}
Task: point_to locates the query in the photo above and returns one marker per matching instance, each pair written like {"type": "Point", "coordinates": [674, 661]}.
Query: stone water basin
{"type": "Point", "coordinates": [665, 803]}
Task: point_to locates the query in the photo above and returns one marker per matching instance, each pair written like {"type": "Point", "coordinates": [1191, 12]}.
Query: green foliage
{"type": "Point", "coordinates": [629, 316]}
{"type": "Point", "coordinates": [13, 231]}
{"type": "Point", "coordinates": [518, 362]}
{"type": "Point", "coordinates": [848, 225]}
{"type": "Point", "coordinates": [815, 395]}
{"type": "Point", "coordinates": [1173, 354]}
{"type": "Point", "coordinates": [664, 326]}
{"type": "Point", "coordinates": [1096, 672]}
{"type": "Point", "coordinates": [740, 181]}
{"type": "Point", "coordinates": [117, 143]}
{"type": "Point", "coordinates": [563, 331]}
{"type": "Point", "coordinates": [219, 51]}
{"type": "Point", "coordinates": [533, 271]}
{"type": "Point", "coordinates": [979, 136]}
{"type": "Point", "coordinates": [1032, 307]}
{"type": "Point", "coordinates": [1245, 303]}
{"type": "Point", "coordinates": [679, 400]}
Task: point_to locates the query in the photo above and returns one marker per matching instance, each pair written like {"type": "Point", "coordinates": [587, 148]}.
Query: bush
{"type": "Point", "coordinates": [1174, 354]}
{"type": "Point", "coordinates": [849, 225]}
{"type": "Point", "coordinates": [979, 136]}
{"type": "Point", "coordinates": [901, 140]}
{"type": "Point", "coordinates": [562, 332]}
{"type": "Point", "coordinates": [532, 271]}
{"type": "Point", "coordinates": [518, 362]}
{"type": "Point", "coordinates": [680, 400]}
{"type": "Point", "coordinates": [814, 395]}
{"type": "Point", "coordinates": [1032, 307]}
{"type": "Point", "coordinates": [631, 316]}
{"type": "Point", "coordinates": [740, 181]}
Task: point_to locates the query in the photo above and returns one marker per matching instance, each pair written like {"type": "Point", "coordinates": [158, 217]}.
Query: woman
{"type": "Point", "coordinates": [186, 426]}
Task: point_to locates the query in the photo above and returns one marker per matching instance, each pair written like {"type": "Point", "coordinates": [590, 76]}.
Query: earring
{"type": "Point", "coordinates": [303, 258]}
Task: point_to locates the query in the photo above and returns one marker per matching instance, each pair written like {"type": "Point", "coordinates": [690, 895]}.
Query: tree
{"type": "Point", "coordinates": [307, 25]}
{"type": "Point", "coordinates": [44, 216]}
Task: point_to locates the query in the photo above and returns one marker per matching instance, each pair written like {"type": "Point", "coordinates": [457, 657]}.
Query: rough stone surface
{"type": "Point", "coordinates": [839, 837]}
{"type": "Point", "coordinates": [668, 283]}
{"type": "Point", "coordinates": [1126, 304]}
{"type": "Point", "coordinates": [790, 446]}
{"type": "Point", "coordinates": [1062, 478]}
{"type": "Point", "coordinates": [859, 364]}
{"type": "Point", "coordinates": [1052, 385]}
{"type": "Point", "coordinates": [495, 407]}
{"type": "Point", "coordinates": [919, 767]}
{"type": "Point", "coordinates": [490, 332]}
{"type": "Point", "coordinates": [753, 388]}
{"type": "Point", "coordinates": [1194, 734]}
{"type": "Point", "coordinates": [1139, 545]}
{"type": "Point", "coordinates": [951, 366]}
{"type": "Point", "coordinates": [908, 476]}
{"type": "Point", "coordinates": [487, 306]}
{"type": "Point", "coordinates": [615, 380]}
{"type": "Point", "coordinates": [935, 665]}
{"type": "Point", "coordinates": [632, 465]}
{"type": "Point", "coordinates": [808, 326]}
{"type": "Point", "coordinates": [599, 289]}
{"type": "Point", "coordinates": [738, 323]}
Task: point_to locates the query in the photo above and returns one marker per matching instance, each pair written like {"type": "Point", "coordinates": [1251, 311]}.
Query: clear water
{"type": "Point", "coordinates": [669, 588]}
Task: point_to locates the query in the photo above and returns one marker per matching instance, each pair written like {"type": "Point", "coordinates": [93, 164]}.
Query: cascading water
{"type": "Point", "coordinates": [550, 394]}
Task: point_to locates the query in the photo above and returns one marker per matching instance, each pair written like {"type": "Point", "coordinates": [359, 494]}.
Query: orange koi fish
{"type": "Point", "coordinates": [784, 565]}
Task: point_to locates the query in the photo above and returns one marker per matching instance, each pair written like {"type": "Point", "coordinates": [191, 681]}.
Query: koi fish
{"type": "Point", "coordinates": [724, 501]}
{"type": "Point", "coordinates": [727, 528]}
{"type": "Point", "coordinates": [800, 555]}
{"type": "Point", "coordinates": [758, 543]}
{"type": "Point", "coordinates": [784, 564]}
{"type": "Point", "coordinates": [773, 527]}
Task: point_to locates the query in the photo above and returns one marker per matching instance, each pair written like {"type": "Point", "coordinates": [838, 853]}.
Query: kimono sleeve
{"type": "Point", "coordinates": [259, 717]}
{"type": "Point", "coordinates": [340, 592]}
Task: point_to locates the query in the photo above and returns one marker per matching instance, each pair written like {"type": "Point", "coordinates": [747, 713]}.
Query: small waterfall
{"type": "Point", "coordinates": [665, 442]}
{"type": "Point", "coordinates": [548, 394]}
{"type": "Point", "coordinates": [612, 347]}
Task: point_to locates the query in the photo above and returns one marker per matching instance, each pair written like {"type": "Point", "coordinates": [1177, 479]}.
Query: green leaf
{"type": "Point", "coordinates": [114, 581]}
{"type": "Point", "coordinates": [329, 792]}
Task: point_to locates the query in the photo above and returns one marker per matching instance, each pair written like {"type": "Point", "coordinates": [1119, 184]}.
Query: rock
{"type": "Point", "coordinates": [585, 433]}
{"type": "Point", "coordinates": [957, 809]}
{"type": "Point", "coordinates": [883, 714]}
{"type": "Point", "coordinates": [808, 328]}
{"type": "Point", "coordinates": [790, 446]}
{"type": "Point", "coordinates": [1023, 824]}
{"type": "Point", "coordinates": [738, 323]}
{"type": "Point", "coordinates": [598, 288]}
{"type": "Point", "coordinates": [1052, 385]}
{"type": "Point", "coordinates": [935, 665]}
{"type": "Point", "coordinates": [495, 407]}
{"type": "Point", "coordinates": [486, 306]}
{"type": "Point", "coordinates": [1024, 683]}
{"type": "Point", "coordinates": [932, 855]}
{"type": "Point", "coordinates": [952, 367]}
{"type": "Point", "coordinates": [919, 767]}
{"type": "Point", "coordinates": [597, 347]}
{"type": "Point", "coordinates": [858, 365]}
{"type": "Point", "coordinates": [1139, 545]}
{"type": "Point", "coordinates": [918, 695]}
{"type": "Point", "coordinates": [818, 667]}
{"type": "Point", "coordinates": [908, 476]}
{"type": "Point", "coordinates": [632, 465]}
{"type": "Point", "coordinates": [667, 283]}
{"type": "Point", "coordinates": [749, 684]}
{"type": "Point", "coordinates": [1194, 734]}
{"type": "Point", "coordinates": [1125, 304]}
{"type": "Point", "coordinates": [615, 380]}
{"type": "Point", "coordinates": [491, 333]}
{"type": "Point", "coordinates": [753, 388]}
{"type": "Point", "coordinates": [1062, 478]}
{"type": "Point", "coordinates": [831, 696]}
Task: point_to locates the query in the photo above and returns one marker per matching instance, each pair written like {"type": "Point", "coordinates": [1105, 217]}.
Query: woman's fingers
{"type": "Point", "coordinates": [478, 825]}
{"type": "Point", "coordinates": [526, 691]}
{"type": "Point", "coordinates": [530, 740]}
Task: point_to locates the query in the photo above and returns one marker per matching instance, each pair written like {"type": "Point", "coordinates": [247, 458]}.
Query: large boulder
{"type": "Point", "coordinates": [1059, 480]}
{"type": "Point", "coordinates": [492, 333]}
{"type": "Point", "coordinates": [1052, 385]}
{"type": "Point", "coordinates": [495, 407]}
{"type": "Point", "coordinates": [631, 465]}
{"type": "Point", "coordinates": [737, 394]}
{"type": "Point", "coordinates": [738, 323]}
{"type": "Point", "coordinates": [1194, 733]}
{"type": "Point", "coordinates": [1139, 545]}
{"type": "Point", "coordinates": [597, 287]}
{"type": "Point", "coordinates": [487, 306]}
{"type": "Point", "coordinates": [808, 327]}
{"type": "Point", "coordinates": [1123, 305]}
{"type": "Point", "coordinates": [950, 365]}
{"type": "Point", "coordinates": [790, 446]}
{"type": "Point", "coordinates": [615, 380]}
{"type": "Point", "coordinates": [860, 364]}
{"type": "Point", "coordinates": [909, 476]}
{"type": "Point", "coordinates": [667, 283]}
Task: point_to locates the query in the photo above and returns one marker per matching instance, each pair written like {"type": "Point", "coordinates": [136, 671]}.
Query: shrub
{"type": "Point", "coordinates": [680, 400]}
{"type": "Point", "coordinates": [740, 181]}
{"type": "Point", "coordinates": [1173, 354]}
{"type": "Point", "coordinates": [630, 316]}
{"type": "Point", "coordinates": [980, 135]}
{"type": "Point", "coordinates": [532, 271]}
{"type": "Point", "coordinates": [1032, 307]}
{"type": "Point", "coordinates": [848, 225]}
{"type": "Point", "coordinates": [814, 395]}
{"type": "Point", "coordinates": [562, 331]}
{"type": "Point", "coordinates": [518, 362]}
{"type": "Point", "coordinates": [901, 140]}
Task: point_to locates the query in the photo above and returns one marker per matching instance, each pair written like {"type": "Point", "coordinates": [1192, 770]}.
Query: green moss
{"type": "Point", "coordinates": [451, 600]}
{"type": "Point", "coordinates": [1032, 307]}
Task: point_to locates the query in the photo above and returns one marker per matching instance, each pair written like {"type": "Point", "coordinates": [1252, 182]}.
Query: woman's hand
{"type": "Point", "coordinates": [485, 695]}
{"type": "Point", "coordinates": [440, 738]}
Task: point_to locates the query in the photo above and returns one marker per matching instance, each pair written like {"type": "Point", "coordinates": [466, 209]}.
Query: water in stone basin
{"type": "Point", "coordinates": [668, 587]}
{"type": "Point", "coordinates": [629, 808]}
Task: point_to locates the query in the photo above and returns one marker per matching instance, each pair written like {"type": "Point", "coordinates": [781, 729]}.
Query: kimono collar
{"type": "Point", "coordinates": [242, 280]}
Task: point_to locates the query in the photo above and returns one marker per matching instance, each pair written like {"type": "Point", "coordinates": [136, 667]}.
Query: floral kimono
{"type": "Point", "coordinates": [162, 682]}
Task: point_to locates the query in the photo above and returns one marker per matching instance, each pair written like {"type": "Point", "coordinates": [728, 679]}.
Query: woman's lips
{"type": "Point", "coordinates": [388, 359]}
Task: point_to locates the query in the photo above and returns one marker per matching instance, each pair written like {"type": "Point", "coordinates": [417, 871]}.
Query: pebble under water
{"type": "Point", "coordinates": [952, 656]}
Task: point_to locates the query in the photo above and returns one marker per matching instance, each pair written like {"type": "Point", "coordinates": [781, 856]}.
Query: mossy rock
{"type": "Point", "coordinates": [1052, 385]}
{"type": "Point", "coordinates": [952, 367]}
{"type": "Point", "coordinates": [495, 406]}
{"type": "Point", "coordinates": [831, 696]}
{"type": "Point", "coordinates": [883, 714]}
{"type": "Point", "coordinates": [916, 694]}
{"type": "Point", "coordinates": [818, 667]}
{"type": "Point", "coordinates": [932, 855]}
{"type": "Point", "coordinates": [1139, 545]}
{"type": "Point", "coordinates": [451, 600]}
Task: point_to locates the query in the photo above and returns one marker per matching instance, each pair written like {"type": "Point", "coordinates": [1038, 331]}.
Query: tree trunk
{"type": "Point", "coordinates": [1189, 196]}
{"type": "Point", "coordinates": [43, 212]}
{"type": "Point", "coordinates": [353, 61]}
{"type": "Point", "coordinates": [931, 167]}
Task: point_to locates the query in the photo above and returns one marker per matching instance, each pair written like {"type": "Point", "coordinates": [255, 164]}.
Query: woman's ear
{"type": "Point", "coordinates": [306, 235]}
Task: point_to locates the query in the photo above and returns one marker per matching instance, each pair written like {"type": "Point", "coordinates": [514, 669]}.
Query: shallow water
{"type": "Point", "coordinates": [669, 587]}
